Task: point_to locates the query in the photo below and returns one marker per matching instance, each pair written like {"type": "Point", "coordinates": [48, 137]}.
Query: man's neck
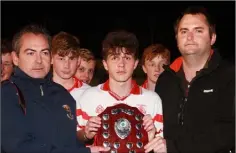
{"type": "Point", "coordinates": [122, 89]}
{"type": "Point", "coordinates": [194, 63]}
{"type": "Point", "coordinates": [151, 85]}
{"type": "Point", "coordinates": [66, 83]}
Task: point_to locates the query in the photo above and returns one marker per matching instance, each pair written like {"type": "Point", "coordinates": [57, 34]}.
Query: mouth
{"type": "Point", "coordinates": [121, 72]}
{"type": "Point", "coordinates": [38, 69]}
{"type": "Point", "coordinates": [65, 72]}
{"type": "Point", "coordinates": [190, 45]}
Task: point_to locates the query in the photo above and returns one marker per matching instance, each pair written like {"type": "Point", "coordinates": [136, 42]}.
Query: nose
{"type": "Point", "coordinates": [121, 62]}
{"type": "Point", "coordinates": [39, 58]}
{"type": "Point", "coordinates": [66, 64]}
{"type": "Point", "coordinates": [157, 67]}
{"type": "Point", "coordinates": [86, 74]}
{"type": "Point", "coordinates": [190, 36]}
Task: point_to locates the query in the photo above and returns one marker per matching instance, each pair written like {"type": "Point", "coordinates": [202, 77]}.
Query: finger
{"type": "Point", "coordinates": [93, 134]}
{"type": "Point", "coordinates": [150, 148]}
{"type": "Point", "coordinates": [157, 145]}
{"type": "Point", "coordinates": [101, 148]}
{"type": "Point", "coordinates": [147, 117]}
{"type": "Point", "coordinates": [148, 124]}
{"type": "Point", "coordinates": [155, 140]}
{"type": "Point", "coordinates": [150, 128]}
{"type": "Point", "coordinates": [92, 130]}
{"type": "Point", "coordinates": [160, 148]}
{"type": "Point", "coordinates": [93, 124]}
{"type": "Point", "coordinates": [95, 119]}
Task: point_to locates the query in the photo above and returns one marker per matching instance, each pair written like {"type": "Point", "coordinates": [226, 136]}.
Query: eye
{"type": "Point", "coordinates": [30, 53]}
{"type": "Point", "coordinates": [91, 71]}
{"type": "Point", "coordinates": [183, 32]}
{"type": "Point", "coordinates": [199, 31]}
{"type": "Point", "coordinates": [72, 58]}
{"type": "Point", "coordinates": [81, 69]}
{"type": "Point", "coordinates": [113, 57]}
{"type": "Point", "coordinates": [152, 64]}
{"type": "Point", "coordinates": [60, 58]}
{"type": "Point", "coordinates": [46, 53]}
{"type": "Point", "coordinates": [128, 58]}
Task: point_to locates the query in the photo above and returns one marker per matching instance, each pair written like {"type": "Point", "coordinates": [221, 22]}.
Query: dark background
{"type": "Point", "coordinates": [152, 22]}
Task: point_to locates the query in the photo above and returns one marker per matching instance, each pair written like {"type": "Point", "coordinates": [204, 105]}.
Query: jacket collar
{"type": "Point", "coordinates": [210, 65]}
{"type": "Point", "coordinates": [18, 73]}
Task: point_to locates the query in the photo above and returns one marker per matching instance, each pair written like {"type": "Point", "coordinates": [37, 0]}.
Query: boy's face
{"type": "Point", "coordinates": [7, 66]}
{"type": "Point", "coordinates": [153, 68]}
{"type": "Point", "coordinates": [64, 67]}
{"type": "Point", "coordinates": [85, 70]}
{"type": "Point", "coordinates": [120, 67]}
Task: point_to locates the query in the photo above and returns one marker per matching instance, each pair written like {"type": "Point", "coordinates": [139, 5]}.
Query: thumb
{"type": "Point", "coordinates": [101, 148]}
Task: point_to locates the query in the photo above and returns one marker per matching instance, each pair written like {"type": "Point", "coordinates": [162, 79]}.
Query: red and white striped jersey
{"type": "Point", "coordinates": [77, 89]}
{"type": "Point", "coordinates": [96, 99]}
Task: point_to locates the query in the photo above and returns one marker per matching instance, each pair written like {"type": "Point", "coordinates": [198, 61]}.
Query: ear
{"type": "Point", "coordinates": [144, 69]}
{"type": "Point", "coordinates": [15, 58]}
{"type": "Point", "coordinates": [105, 65]}
{"type": "Point", "coordinates": [136, 63]}
{"type": "Point", "coordinates": [79, 61]}
{"type": "Point", "coordinates": [213, 39]}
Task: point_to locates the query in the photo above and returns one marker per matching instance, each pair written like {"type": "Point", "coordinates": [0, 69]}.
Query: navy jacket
{"type": "Point", "coordinates": [208, 111]}
{"type": "Point", "coordinates": [49, 125]}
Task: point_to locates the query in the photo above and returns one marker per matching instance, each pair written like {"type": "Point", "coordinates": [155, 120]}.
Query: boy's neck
{"type": "Point", "coordinates": [122, 89]}
{"type": "Point", "coordinates": [151, 85]}
{"type": "Point", "coordinates": [66, 83]}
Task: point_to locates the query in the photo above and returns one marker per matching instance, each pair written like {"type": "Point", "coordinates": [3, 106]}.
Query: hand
{"type": "Point", "coordinates": [158, 145]}
{"type": "Point", "coordinates": [149, 126]}
{"type": "Point", "coordinates": [92, 126]}
{"type": "Point", "coordinates": [97, 149]}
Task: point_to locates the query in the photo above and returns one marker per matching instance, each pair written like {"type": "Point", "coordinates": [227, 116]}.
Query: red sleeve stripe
{"type": "Point", "coordinates": [81, 127]}
{"type": "Point", "coordinates": [84, 115]}
{"type": "Point", "coordinates": [158, 118]}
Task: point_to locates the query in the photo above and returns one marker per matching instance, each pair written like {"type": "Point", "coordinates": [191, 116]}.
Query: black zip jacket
{"type": "Point", "coordinates": [49, 125]}
{"type": "Point", "coordinates": [204, 120]}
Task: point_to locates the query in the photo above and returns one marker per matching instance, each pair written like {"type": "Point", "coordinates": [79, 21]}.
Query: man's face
{"type": "Point", "coordinates": [64, 67]}
{"type": "Point", "coordinates": [85, 70]}
{"type": "Point", "coordinates": [120, 67]}
{"type": "Point", "coordinates": [34, 56]}
{"type": "Point", "coordinates": [7, 66]}
{"type": "Point", "coordinates": [193, 35]}
{"type": "Point", "coordinates": [153, 68]}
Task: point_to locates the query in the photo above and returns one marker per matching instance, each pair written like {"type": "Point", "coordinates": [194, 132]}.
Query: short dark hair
{"type": "Point", "coordinates": [197, 10]}
{"type": "Point", "coordinates": [119, 39]}
{"type": "Point", "coordinates": [64, 43]}
{"type": "Point", "coordinates": [6, 46]}
{"type": "Point", "coordinates": [31, 28]}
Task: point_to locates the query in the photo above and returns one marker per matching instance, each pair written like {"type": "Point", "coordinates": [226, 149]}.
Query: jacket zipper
{"type": "Point", "coordinates": [41, 89]}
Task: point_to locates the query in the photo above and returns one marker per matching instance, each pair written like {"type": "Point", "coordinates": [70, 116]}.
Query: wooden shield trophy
{"type": "Point", "coordinates": [122, 130]}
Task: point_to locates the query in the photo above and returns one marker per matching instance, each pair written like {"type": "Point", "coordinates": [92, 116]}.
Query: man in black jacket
{"type": "Point", "coordinates": [38, 115]}
{"type": "Point", "coordinates": [197, 91]}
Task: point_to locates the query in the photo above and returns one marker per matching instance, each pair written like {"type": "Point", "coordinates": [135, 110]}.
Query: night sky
{"type": "Point", "coordinates": [152, 22]}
